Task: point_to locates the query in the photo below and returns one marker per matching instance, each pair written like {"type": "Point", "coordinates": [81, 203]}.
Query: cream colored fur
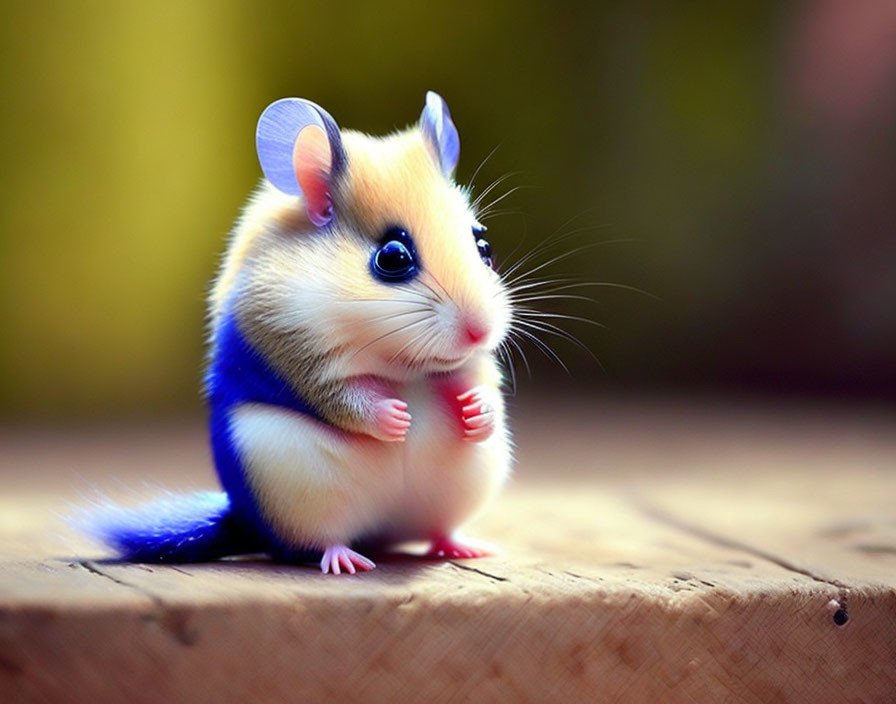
{"type": "Point", "coordinates": [308, 301]}
{"type": "Point", "coordinates": [323, 487]}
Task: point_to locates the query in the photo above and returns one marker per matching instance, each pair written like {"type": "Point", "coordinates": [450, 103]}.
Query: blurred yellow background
{"type": "Point", "coordinates": [746, 148]}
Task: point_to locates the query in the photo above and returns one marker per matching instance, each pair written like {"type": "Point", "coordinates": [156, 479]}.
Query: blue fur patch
{"type": "Point", "coordinates": [239, 374]}
{"type": "Point", "coordinates": [177, 528]}
{"type": "Point", "coordinates": [207, 525]}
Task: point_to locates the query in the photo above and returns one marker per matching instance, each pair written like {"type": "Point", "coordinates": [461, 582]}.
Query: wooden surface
{"type": "Point", "coordinates": [651, 553]}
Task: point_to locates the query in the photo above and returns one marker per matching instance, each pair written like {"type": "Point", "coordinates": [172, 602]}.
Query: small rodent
{"type": "Point", "coordinates": [352, 383]}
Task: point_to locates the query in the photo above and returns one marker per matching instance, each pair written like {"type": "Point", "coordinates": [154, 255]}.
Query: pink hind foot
{"type": "Point", "coordinates": [337, 557]}
{"type": "Point", "coordinates": [448, 547]}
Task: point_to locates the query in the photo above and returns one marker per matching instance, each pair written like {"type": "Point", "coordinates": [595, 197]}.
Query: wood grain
{"type": "Point", "coordinates": [649, 552]}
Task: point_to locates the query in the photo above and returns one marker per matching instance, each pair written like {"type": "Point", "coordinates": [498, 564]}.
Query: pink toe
{"type": "Point", "coordinates": [479, 421]}
{"type": "Point", "coordinates": [339, 558]}
{"type": "Point", "coordinates": [364, 564]}
{"type": "Point", "coordinates": [450, 549]}
{"type": "Point", "coordinates": [476, 434]}
{"type": "Point", "coordinates": [346, 562]}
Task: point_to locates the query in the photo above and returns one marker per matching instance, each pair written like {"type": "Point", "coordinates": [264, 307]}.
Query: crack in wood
{"type": "Point", "coordinates": [872, 549]}
{"type": "Point", "coordinates": [574, 576]}
{"type": "Point", "coordinates": [172, 621]}
{"type": "Point", "coordinates": [668, 519]}
{"type": "Point", "coordinates": [91, 567]}
{"type": "Point", "coordinates": [478, 571]}
{"type": "Point", "coordinates": [582, 577]}
{"type": "Point", "coordinates": [688, 577]}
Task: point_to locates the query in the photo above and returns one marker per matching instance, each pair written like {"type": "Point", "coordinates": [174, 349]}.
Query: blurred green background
{"type": "Point", "coordinates": [744, 151]}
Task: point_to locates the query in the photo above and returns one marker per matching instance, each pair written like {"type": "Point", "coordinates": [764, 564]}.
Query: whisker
{"type": "Point", "coordinates": [482, 163]}
{"type": "Point", "coordinates": [556, 259]}
{"type": "Point", "coordinates": [388, 334]}
{"type": "Point", "coordinates": [555, 239]}
{"type": "Point", "coordinates": [550, 296]}
{"type": "Point", "coordinates": [501, 213]}
{"type": "Point", "coordinates": [391, 316]}
{"type": "Point", "coordinates": [541, 282]}
{"type": "Point", "coordinates": [512, 341]}
{"type": "Point", "coordinates": [485, 211]}
{"type": "Point", "coordinates": [608, 284]}
{"type": "Point", "coordinates": [420, 353]}
{"type": "Point", "coordinates": [575, 217]}
{"type": "Point", "coordinates": [425, 346]}
{"type": "Point", "coordinates": [438, 283]}
{"type": "Point", "coordinates": [532, 313]}
{"type": "Point", "coordinates": [494, 184]}
{"type": "Point", "coordinates": [387, 300]}
{"type": "Point", "coordinates": [410, 342]}
{"type": "Point", "coordinates": [518, 244]}
{"type": "Point", "coordinates": [505, 355]}
{"type": "Point", "coordinates": [545, 348]}
{"type": "Point", "coordinates": [531, 254]}
{"type": "Point", "coordinates": [565, 334]}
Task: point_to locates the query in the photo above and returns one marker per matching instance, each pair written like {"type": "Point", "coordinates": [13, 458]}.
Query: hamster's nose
{"type": "Point", "coordinates": [474, 331]}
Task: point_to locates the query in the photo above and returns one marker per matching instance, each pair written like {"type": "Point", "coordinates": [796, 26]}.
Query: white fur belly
{"type": "Point", "coordinates": [318, 486]}
{"type": "Point", "coordinates": [446, 479]}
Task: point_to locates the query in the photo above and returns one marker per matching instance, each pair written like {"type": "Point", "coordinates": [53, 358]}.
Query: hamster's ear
{"type": "Point", "coordinates": [300, 150]}
{"type": "Point", "coordinates": [440, 132]}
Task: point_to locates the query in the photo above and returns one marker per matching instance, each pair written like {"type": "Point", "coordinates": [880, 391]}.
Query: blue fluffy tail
{"type": "Point", "coordinates": [177, 528]}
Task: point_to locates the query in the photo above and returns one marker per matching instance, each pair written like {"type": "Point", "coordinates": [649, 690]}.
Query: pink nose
{"type": "Point", "coordinates": [475, 332]}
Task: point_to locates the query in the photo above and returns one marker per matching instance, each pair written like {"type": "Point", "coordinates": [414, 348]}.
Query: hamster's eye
{"type": "Point", "coordinates": [395, 260]}
{"type": "Point", "coordinates": [485, 249]}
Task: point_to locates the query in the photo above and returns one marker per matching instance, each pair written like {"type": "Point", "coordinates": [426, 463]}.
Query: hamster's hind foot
{"type": "Point", "coordinates": [337, 557]}
{"type": "Point", "coordinates": [451, 548]}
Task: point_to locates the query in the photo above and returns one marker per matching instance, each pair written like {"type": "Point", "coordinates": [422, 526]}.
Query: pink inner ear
{"type": "Point", "coordinates": [312, 160]}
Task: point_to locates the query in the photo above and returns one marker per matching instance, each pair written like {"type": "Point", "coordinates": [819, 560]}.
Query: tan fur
{"type": "Point", "coordinates": [266, 208]}
{"type": "Point", "coordinates": [307, 300]}
{"type": "Point", "coordinates": [347, 487]}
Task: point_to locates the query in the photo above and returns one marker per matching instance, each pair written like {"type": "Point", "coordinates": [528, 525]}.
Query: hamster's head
{"type": "Point", "coordinates": [377, 261]}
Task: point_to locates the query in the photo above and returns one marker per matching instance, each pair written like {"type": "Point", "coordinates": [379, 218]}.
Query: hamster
{"type": "Point", "coordinates": [353, 386]}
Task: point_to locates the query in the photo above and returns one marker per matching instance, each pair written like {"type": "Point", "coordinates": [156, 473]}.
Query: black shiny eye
{"type": "Point", "coordinates": [395, 260]}
{"type": "Point", "coordinates": [485, 249]}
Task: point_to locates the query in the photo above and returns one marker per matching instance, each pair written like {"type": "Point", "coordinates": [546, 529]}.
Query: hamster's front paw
{"type": "Point", "coordinates": [391, 420]}
{"type": "Point", "coordinates": [477, 414]}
